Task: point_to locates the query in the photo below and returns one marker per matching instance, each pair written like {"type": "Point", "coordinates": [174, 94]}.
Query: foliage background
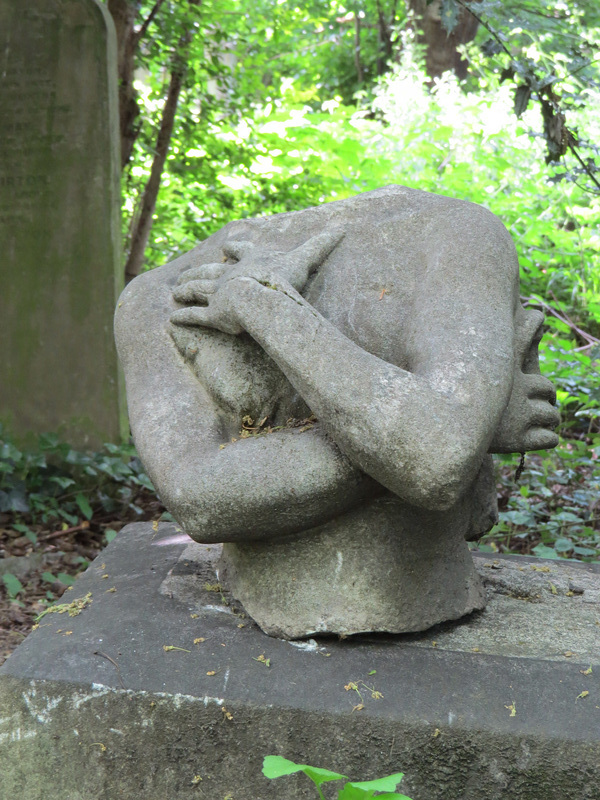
{"type": "Point", "coordinates": [288, 120]}
{"type": "Point", "coordinates": [282, 106]}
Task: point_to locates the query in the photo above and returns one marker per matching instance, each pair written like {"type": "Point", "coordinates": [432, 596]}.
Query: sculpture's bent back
{"type": "Point", "coordinates": [321, 390]}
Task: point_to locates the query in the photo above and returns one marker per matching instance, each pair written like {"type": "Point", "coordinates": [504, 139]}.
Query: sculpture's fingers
{"type": "Point", "coordinates": [192, 316]}
{"type": "Point", "coordinates": [542, 415]}
{"type": "Point", "coordinates": [540, 439]}
{"type": "Point", "coordinates": [202, 272]}
{"type": "Point", "coordinates": [195, 291]}
{"type": "Point", "coordinates": [527, 339]}
{"type": "Point", "coordinates": [312, 254]}
{"type": "Point", "coordinates": [237, 250]}
{"type": "Point", "coordinates": [540, 388]}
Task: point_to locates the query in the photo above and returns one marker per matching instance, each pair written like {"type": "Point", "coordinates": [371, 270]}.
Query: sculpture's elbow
{"type": "Point", "coordinates": [437, 485]}
{"type": "Point", "coordinates": [195, 512]}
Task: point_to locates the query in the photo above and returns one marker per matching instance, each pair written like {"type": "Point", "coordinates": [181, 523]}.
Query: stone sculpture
{"type": "Point", "coordinates": [321, 391]}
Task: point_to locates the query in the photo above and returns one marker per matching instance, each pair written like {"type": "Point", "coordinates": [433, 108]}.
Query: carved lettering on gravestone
{"type": "Point", "coordinates": [59, 220]}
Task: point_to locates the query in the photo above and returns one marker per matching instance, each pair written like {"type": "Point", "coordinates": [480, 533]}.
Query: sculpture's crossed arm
{"type": "Point", "coordinates": [421, 434]}
{"type": "Point", "coordinates": [260, 487]}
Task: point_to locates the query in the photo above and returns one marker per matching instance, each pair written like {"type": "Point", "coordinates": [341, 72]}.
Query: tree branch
{"type": "Point", "coordinates": [143, 225]}
{"type": "Point", "coordinates": [141, 32]}
{"type": "Point", "coordinates": [357, 62]}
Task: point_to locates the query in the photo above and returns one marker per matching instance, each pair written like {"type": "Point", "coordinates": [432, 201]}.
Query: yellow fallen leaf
{"type": "Point", "coordinates": [587, 671]}
{"type": "Point", "coordinates": [581, 696]}
{"type": "Point", "coordinates": [155, 525]}
{"type": "Point", "coordinates": [194, 616]}
{"type": "Point", "coordinates": [227, 714]}
{"type": "Point", "coordinates": [168, 647]}
{"type": "Point", "coordinates": [553, 588]}
{"type": "Point", "coordinates": [196, 779]}
{"type": "Point", "coordinates": [212, 672]}
{"type": "Point", "coordinates": [512, 708]}
{"type": "Point", "coordinates": [199, 639]}
{"type": "Point", "coordinates": [437, 732]}
{"type": "Point", "coordinates": [101, 746]}
{"type": "Point", "coordinates": [359, 707]}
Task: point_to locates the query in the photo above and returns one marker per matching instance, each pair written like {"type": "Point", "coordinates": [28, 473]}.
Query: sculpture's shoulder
{"type": "Point", "coordinates": [413, 218]}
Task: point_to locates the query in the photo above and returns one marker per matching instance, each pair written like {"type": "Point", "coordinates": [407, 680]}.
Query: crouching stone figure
{"type": "Point", "coordinates": [322, 390]}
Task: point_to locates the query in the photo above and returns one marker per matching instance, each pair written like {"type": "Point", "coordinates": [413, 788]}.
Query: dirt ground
{"type": "Point", "coordinates": [56, 553]}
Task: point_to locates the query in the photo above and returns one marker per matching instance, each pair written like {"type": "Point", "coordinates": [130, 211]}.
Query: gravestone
{"type": "Point", "coordinates": [59, 220]}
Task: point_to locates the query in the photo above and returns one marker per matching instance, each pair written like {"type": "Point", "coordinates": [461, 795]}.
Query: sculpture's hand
{"type": "Point", "coordinates": [530, 417]}
{"type": "Point", "coordinates": [209, 290]}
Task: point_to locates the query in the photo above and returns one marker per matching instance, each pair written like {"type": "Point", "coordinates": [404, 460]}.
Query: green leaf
{"type": "Point", "coordinates": [48, 577]}
{"type": "Point", "coordinates": [62, 481]}
{"type": "Point", "coordinates": [522, 95]}
{"type": "Point", "coordinates": [585, 551]}
{"type": "Point", "coordinates": [65, 578]}
{"type": "Point", "coordinates": [543, 551]}
{"type": "Point", "coordinates": [109, 534]}
{"type": "Point", "coordinates": [13, 584]}
{"type": "Point", "coordinates": [387, 784]}
{"type": "Point", "coordinates": [84, 506]}
{"type": "Point", "coordinates": [277, 767]}
{"type": "Point", "coordinates": [449, 13]}
{"type": "Point", "coordinates": [563, 545]}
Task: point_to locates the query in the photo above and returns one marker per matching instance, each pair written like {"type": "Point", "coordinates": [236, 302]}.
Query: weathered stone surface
{"type": "Point", "coordinates": [321, 391]}
{"type": "Point", "coordinates": [59, 220]}
{"type": "Point", "coordinates": [68, 728]}
{"type": "Point", "coordinates": [370, 574]}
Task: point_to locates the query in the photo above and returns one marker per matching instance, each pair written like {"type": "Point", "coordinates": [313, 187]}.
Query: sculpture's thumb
{"type": "Point", "coordinates": [308, 257]}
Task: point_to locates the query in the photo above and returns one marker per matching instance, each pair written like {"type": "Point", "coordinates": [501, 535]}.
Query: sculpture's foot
{"type": "Point", "coordinates": [380, 568]}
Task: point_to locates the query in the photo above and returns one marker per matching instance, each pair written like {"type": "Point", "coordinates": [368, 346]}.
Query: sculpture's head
{"type": "Point", "coordinates": [530, 417]}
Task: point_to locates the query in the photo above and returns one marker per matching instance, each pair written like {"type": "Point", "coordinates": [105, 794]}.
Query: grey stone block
{"type": "Point", "coordinates": [488, 708]}
{"type": "Point", "coordinates": [60, 231]}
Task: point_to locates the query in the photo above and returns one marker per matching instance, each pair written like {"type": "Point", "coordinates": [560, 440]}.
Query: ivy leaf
{"type": "Point", "coordinates": [84, 506]}
{"type": "Point", "coordinates": [450, 13]}
{"type": "Point", "coordinates": [543, 551]}
{"type": "Point", "coordinates": [490, 48]}
{"type": "Point", "coordinates": [522, 96]}
{"type": "Point", "coordinates": [13, 584]}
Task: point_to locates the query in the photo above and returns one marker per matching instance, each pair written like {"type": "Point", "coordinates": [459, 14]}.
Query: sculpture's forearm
{"type": "Point", "coordinates": [418, 436]}
{"type": "Point", "coordinates": [271, 485]}
{"type": "Point", "coordinates": [277, 483]}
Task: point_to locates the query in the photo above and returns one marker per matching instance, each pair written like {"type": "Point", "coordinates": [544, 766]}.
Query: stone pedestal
{"type": "Point", "coordinates": [157, 689]}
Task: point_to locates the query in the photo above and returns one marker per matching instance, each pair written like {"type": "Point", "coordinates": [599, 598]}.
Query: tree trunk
{"type": "Point", "coordinates": [143, 224]}
{"type": "Point", "coordinates": [124, 13]}
{"type": "Point", "coordinates": [441, 52]}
